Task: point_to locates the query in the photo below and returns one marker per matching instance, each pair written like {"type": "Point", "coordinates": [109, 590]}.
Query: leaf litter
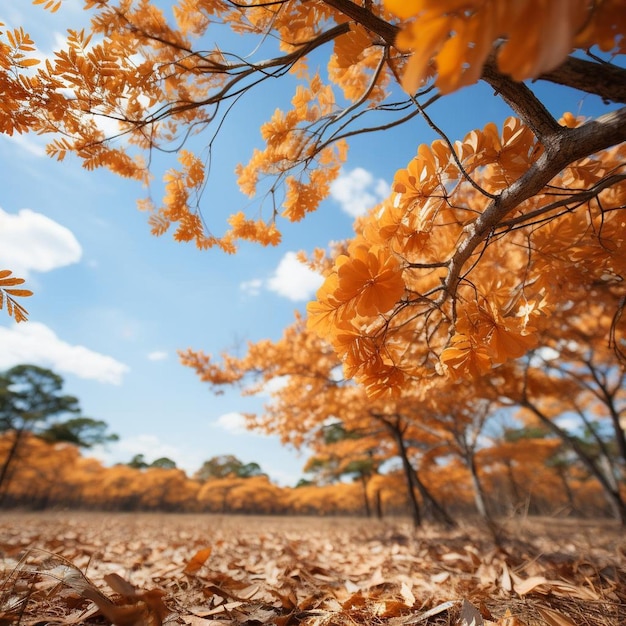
{"type": "Point", "coordinates": [157, 569]}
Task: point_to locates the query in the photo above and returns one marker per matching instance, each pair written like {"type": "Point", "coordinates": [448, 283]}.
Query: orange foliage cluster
{"type": "Point", "coordinates": [56, 475]}
{"type": "Point", "coordinates": [460, 36]}
{"type": "Point", "coordinates": [453, 274]}
{"type": "Point", "coordinates": [395, 309]}
{"type": "Point", "coordinates": [440, 427]}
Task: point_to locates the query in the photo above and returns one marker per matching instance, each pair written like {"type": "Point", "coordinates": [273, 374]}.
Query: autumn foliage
{"type": "Point", "coordinates": [517, 474]}
{"type": "Point", "coordinates": [492, 275]}
{"type": "Point", "coordinates": [453, 209]}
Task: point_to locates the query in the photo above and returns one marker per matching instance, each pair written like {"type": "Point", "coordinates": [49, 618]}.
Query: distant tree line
{"type": "Point", "coordinates": [42, 432]}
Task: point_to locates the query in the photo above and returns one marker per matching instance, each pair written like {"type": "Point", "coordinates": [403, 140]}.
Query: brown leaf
{"type": "Point", "coordinates": [125, 615]}
{"type": "Point", "coordinates": [510, 620]}
{"type": "Point", "coordinates": [558, 587]}
{"type": "Point", "coordinates": [119, 585]}
{"type": "Point", "coordinates": [554, 618]}
{"type": "Point", "coordinates": [422, 617]}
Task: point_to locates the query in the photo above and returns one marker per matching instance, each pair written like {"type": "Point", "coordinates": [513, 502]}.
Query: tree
{"type": "Point", "coordinates": [164, 463]}
{"type": "Point", "coordinates": [83, 432]}
{"type": "Point", "coordinates": [227, 465]}
{"type": "Point", "coordinates": [313, 397]}
{"type": "Point", "coordinates": [138, 462]}
{"type": "Point", "coordinates": [347, 453]}
{"type": "Point", "coordinates": [252, 494]}
{"type": "Point", "coordinates": [547, 397]}
{"type": "Point", "coordinates": [30, 396]}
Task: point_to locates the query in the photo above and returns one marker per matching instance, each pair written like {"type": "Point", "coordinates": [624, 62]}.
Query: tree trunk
{"type": "Point", "coordinates": [479, 494]}
{"type": "Point", "coordinates": [612, 495]}
{"type": "Point", "coordinates": [566, 487]}
{"type": "Point", "coordinates": [515, 495]}
{"type": "Point", "coordinates": [379, 505]}
{"type": "Point", "coordinates": [366, 502]}
{"type": "Point", "coordinates": [438, 511]}
{"type": "Point", "coordinates": [5, 476]}
{"type": "Point", "coordinates": [409, 475]}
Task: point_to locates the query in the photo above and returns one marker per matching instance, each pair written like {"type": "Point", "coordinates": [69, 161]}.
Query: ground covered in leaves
{"type": "Point", "coordinates": [153, 569]}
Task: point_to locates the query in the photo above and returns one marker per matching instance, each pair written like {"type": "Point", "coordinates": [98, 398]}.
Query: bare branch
{"type": "Point", "coordinates": [602, 79]}
{"type": "Point", "coordinates": [573, 196]}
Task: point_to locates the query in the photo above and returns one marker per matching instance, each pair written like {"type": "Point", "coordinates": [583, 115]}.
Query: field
{"type": "Point", "coordinates": [153, 569]}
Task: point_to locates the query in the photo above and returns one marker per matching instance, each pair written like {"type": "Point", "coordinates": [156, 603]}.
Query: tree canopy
{"type": "Point", "coordinates": [454, 273]}
{"type": "Point", "coordinates": [225, 465]}
{"type": "Point", "coordinates": [497, 260]}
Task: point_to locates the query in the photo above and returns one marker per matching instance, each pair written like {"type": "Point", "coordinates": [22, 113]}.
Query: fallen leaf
{"type": "Point", "coordinates": [554, 618]}
{"type": "Point", "coordinates": [470, 615]}
{"type": "Point", "coordinates": [509, 620]}
{"type": "Point", "coordinates": [407, 595]}
{"type": "Point", "coordinates": [197, 561]}
{"type": "Point", "coordinates": [421, 617]}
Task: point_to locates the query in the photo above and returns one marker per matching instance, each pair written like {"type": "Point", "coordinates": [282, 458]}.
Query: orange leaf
{"type": "Point", "coordinates": [19, 293]}
{"type": "Point", "coordinates": [197, 561]}
{"type": "Point", "coordinates": [10, 282]}
{"type": "Point", "coordinates": [28, 62]}
{"type": "Point", "coordinates": [463, 357]}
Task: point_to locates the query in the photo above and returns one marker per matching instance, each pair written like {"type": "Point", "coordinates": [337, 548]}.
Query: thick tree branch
{"type": "Point", "coordinates": [602, 79]}
{"type": "Point", "coordinates": [386, 31]}
{"type": "Point", "coordinates": [569, 145]}
{"type": "Point", "coordinates": [522, 100]}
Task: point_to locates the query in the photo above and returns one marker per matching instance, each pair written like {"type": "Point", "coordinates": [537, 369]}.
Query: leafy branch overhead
{"type": "Point", "coordinates": [483, 240]}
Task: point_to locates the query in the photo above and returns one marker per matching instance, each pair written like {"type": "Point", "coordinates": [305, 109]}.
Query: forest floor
{"type": "Point", "coordinates": [206, 570]}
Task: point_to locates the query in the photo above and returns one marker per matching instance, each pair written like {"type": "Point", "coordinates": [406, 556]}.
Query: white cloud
{"type": "Point", "coordinates": [157, 355]}
{"type": "Point", "coordinates": [30, 241]}
{"type": "Point", "coordinates": [357, 191]}
{"type": "Point", "coordinates": [233, 423]}
{"type": "Point", "coordinates": [294, 280]}
{"type": "Point", "coordinates": [37, 344]}
{"type": "Point", "coordinates": [251, 287]}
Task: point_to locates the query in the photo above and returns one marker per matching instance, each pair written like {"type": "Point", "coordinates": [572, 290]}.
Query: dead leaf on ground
{"type": "Point", "coordinates": [197, 561]}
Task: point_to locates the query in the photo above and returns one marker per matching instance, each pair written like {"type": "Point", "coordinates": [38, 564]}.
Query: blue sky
{"type": "Point", "coordinates": [113, 304]}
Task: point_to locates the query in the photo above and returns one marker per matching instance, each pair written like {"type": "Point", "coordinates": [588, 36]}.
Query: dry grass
{"type": "Point", "coordinates": [139, 570]}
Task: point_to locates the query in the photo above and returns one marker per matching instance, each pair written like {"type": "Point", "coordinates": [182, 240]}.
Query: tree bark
{"type": "Point", "coordinates": [409, 474]}
{"type": "Point", "coordinates": [479, 494]}
{"type": "Point", "coordinates": [5, 476]}
{"type": "Point", "coordinates": [612, 495]}
{"type": "Point", "coordinates": [366, 502]}
{"type": "Point", "coordinates": [438, 511]}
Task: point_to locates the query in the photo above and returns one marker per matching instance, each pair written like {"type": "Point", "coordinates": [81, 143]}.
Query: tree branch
{"type": "Point", "coordinates": [578, 196]}
{"type": "Point", "coordinates": [569, 145]}
{"type": "Point", "coordinates": [522, 100]}
{"type": "Point", "coordinates": [602, 79]}
{"type": "Point", "coordinates": [386, 31]}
